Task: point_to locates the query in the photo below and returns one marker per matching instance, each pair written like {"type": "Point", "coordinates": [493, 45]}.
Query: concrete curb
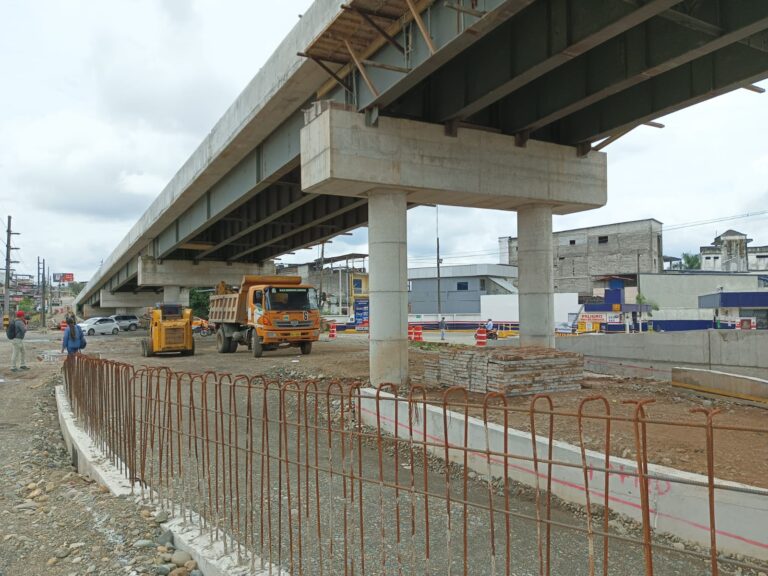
{"type": "Point", "coordinates": [680, 510]}
{"type": "Point", "coordinates": [187, 536]}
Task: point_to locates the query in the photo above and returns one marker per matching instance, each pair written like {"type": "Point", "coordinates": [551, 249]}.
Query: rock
{"type": "Point", "coordinates": [143, 544]}
{"type": "Point", "coordinates": [161, 517]}
{"type": "Point", "coordinates": [180, 558]}
{"type": "Point", "coordinates": [195, 573]}
{"type": "Point", "coordinates": [191, 565]}
{"type": "Point", "coordinates": [25, 506]}
{"type": "Point", "coordinates": [76, 545]}
{"type": "Point", "coordinates": [678, 546]}
{"type": "Point", "coordinates": [164, 539]}
{"type": "Point", "coordinates": [62, 552]}
{"type": "Point", "coordinates": [52, 561]}
{"type": "Point", "coordinates": [163, 569]}
{"type": "Point", "coordinates": [180, 572]}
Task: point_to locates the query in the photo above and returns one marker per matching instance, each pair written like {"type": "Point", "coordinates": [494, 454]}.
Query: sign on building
{"type": "Point", "coordinates": [63, 277]}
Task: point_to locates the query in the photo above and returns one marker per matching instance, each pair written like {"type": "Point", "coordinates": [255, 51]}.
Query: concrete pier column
{"type": "Point", "coordinates": [172, 295]}
{"type": "Point", "coordinates": [535, 270]}
{"type": "Point", "coordinates": [388, 286]}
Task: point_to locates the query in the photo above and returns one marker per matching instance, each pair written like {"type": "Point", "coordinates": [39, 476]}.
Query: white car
{"type": "Point", "coordinates": [99, 325]}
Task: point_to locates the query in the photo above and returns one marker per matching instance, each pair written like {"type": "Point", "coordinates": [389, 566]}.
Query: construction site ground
{"type": "Point", "coordinates": [30, 547]}
{"type": "Point", "coordinates": [347, 357]}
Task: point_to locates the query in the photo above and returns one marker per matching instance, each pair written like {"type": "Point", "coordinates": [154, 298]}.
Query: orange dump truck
{"type": "Point", "coordinates": [266, 313]}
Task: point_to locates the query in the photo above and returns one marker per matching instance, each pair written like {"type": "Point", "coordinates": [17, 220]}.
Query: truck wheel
{"type": "Point", "coordinates": [223, 344]}
{"type": "Point", "coordinates": [306, 347]}
{"type": "Point", "coordinates": [146, 348]}
{"type": "Point", "coordinates": [232, 345]}
{"type": "Point", "coordinates": [256, 345]}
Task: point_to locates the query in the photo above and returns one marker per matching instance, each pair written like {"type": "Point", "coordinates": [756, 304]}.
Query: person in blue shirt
{"type": "Point", "coordinates": [73, 337]}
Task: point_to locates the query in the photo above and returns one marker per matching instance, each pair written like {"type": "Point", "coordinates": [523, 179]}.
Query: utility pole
{"type": "Point", "coordinates": [437, 237]}
{"type": "Point", "coordinates": [42, 313]}
{"type": "Point", "coordinates": [8, 262]}
{"type": "Point", "coordinates": [322, 267]}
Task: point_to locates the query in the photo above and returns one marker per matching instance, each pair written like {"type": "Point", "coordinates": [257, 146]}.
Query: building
{"type": "Point", "coordinates": [585, 259]}
{"type": "Point", "coordinates": [737, 307]}
{"type": "Point", "coordinates": [461, 287]}
{"type": "Point", "coordinates": [729, 253]}
{"type": "Point", "coordinates": [340, 281]}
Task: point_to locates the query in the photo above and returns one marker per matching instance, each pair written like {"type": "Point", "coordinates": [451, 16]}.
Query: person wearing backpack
{"type": "Point", "coordinates": [15, 332]}
{"type": "Point", "coordinates": [74, 339]}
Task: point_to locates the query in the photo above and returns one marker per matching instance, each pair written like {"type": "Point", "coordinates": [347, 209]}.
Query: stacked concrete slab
{"type": "Point", "coordinates": [514, 372]}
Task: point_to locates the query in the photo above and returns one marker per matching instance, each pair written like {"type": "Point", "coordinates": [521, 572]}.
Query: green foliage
{"type": "Point", "coordinates": [641, 299]}
{"type": "Point", "coordinates": [27, 305]}
{"type": "Point", "coordinates": [691, 261]}
{"type": "Point", "coordinates": [199, 301]}
{"type": "Point", "coordinates": [76, 287]}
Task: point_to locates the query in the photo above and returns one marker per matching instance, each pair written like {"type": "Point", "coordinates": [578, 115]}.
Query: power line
{"type": "Point", "coordinates": [693, 224]}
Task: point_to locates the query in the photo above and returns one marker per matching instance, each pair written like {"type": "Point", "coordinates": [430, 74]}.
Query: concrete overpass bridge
{"type": "Point", "coordinates": [373, 106]}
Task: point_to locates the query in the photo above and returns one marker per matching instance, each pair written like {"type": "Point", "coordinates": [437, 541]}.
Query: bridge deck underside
{"type": "Point", "coordinates": [571, 72]}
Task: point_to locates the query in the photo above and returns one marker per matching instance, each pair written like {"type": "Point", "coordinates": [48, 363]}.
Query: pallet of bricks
{"type": "Point", "coordinates": [514, 372]}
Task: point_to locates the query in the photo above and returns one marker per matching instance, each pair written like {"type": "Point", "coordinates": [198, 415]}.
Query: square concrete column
{"type": "Point", "coordinates": [535, 271]}
{"type": "Point", "coordinates": [388, 286]}
{"type": "Point", "coordinates": [175, 295]}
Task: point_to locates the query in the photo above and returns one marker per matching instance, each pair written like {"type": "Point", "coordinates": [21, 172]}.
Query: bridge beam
{"type": "Point", "coordinates": [400, 162]}
{"type": "Point", "coordinates": [117, 300]}
{"type": "Point", "coordinates": [153, 272]}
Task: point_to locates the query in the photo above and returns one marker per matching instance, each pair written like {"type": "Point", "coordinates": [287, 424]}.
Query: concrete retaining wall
{"type": "Point", "coordinates": [677, 509]}
{"type": "Point", "coordinates": [721, 383]}
{"type": "Point", "coordinates": [655, 354]}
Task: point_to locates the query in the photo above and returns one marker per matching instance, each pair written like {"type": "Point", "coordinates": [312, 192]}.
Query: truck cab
{"type": "Point", "coordinates": [267, 313]}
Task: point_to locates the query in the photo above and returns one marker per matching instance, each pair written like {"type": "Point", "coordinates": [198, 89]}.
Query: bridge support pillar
{"type": "Point", "coordinates": [536, 283]}
{"type": "Point", "coordinates": [175, 295]}
{"type": "Point", "coordinates": [397, 161]}
{"type": "Point", "coordinates": [388, 286]}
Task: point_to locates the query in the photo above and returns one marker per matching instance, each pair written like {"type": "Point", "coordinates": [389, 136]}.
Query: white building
{"type": "Point", "coordinates": [729, 253]}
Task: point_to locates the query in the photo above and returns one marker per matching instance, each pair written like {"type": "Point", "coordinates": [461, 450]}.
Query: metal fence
{"type": "Point", "coordinates": [292, 475]}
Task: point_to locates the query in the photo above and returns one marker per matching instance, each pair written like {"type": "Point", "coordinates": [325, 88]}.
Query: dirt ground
{"type": "Point", "coordinates": [54, 521]}
{"type": "Point", "coordinates": [674, 446]}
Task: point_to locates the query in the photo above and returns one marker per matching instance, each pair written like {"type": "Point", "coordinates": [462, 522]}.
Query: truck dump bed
{"type": "Point", "coordinates": [229, 308]}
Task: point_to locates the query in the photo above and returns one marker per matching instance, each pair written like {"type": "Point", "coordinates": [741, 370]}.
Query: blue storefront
{"type": "Point", "coordinates": [730, 306]}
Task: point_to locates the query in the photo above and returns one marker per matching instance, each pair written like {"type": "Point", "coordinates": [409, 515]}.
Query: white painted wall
{"type": "Point", "coordinates": [505, 307]}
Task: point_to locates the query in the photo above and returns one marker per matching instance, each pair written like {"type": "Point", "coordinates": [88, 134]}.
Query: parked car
{"type": "Point", "coordinates": [99, 325]}
{"type": "Point", "coordinates": [126, 321]}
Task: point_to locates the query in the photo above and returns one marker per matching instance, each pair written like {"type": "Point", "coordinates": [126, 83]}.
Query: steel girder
{"type": "Point", "coordinates": [557, 71]}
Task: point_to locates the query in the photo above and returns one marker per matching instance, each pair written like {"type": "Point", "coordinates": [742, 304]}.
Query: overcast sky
{"type": "Point", "coordinates": [102, 101]}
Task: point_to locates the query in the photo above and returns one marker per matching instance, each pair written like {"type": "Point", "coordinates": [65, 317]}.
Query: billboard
{"type": "Point", "coordinates": [62, 277]}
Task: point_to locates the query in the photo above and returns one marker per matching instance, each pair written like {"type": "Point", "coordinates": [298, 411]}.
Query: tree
{"type": "Point", "coordinates": [691, 261]}
{"type": "Point", "coordinates": [76, 287]}
{"type": "Point", "coordinates": [199, 301]}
